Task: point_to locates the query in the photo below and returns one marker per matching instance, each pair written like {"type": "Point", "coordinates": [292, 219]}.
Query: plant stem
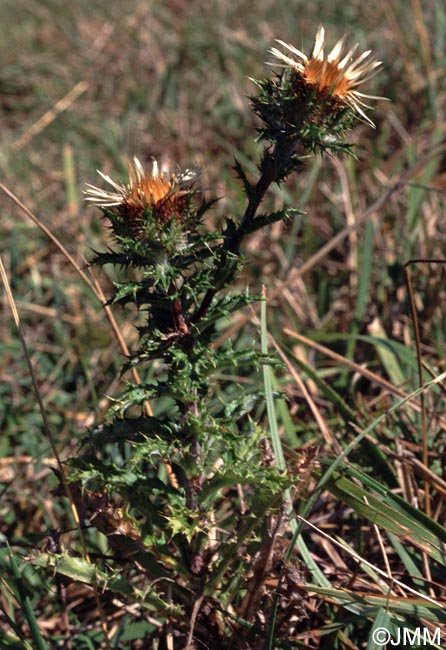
{"type": "Point", "coordinates": [270, 171]}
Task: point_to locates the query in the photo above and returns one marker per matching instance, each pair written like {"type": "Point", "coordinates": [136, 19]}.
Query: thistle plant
{"type": "Point", "coordinates": [180, 479]}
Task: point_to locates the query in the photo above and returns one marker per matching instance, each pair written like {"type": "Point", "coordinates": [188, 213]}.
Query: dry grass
{"type": "Point", "coordinates": [88, 85]}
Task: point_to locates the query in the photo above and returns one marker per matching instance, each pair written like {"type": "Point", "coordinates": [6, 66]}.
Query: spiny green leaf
{"type": "Point", "coordinates": [263, 220]}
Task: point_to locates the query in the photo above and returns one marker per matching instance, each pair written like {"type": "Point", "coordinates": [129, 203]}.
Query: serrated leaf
{"type": "Point", "coordinates": [79, 569]}
{"type": "Point", "coordinates": [263, 220]}
{"type": "Point", "coordinates": [242, 176]}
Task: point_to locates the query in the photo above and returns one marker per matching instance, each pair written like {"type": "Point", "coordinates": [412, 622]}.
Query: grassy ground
{"type": "Point", "coordinates": [86, 86]}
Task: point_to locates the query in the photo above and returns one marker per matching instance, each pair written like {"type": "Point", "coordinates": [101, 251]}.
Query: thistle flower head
{"type": "Point", "coordinates": [162, 195]}
{"type": "Point", "coordinates": [333, 79]}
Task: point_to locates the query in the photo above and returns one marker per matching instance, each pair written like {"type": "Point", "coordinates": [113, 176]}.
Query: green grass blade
{"type": "Point", "coordinates": [284, 415]}
{"type": "Point", "coordinates": [371, 605]}
{"type": "Point", "coordinates": [9, 642]}
{"type": "Point", "coordinates": [387, 355]}
{"type": "Point", "coordinates": [381, 622]}
{"type": "Point", "coordinates": [272, 418]}
{"type": "Point", "coordinates": [411, 568]}
{"type": "Point", "coordinates": [26, 604]}
{"type": "Point", "coordinates": [363, 284]}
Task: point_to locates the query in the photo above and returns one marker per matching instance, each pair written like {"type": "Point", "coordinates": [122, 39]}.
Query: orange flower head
{"type": "Point", "coordinates": [164, 195]}
{"type": "Point", "coordinates": [336, 75]}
